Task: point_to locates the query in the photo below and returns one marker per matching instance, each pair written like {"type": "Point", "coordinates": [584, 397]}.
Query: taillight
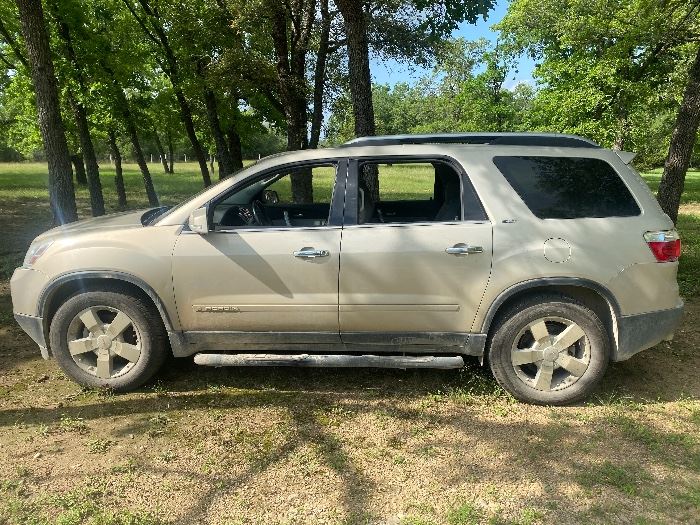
{"type": "Point", "coordinates": [665, 245]}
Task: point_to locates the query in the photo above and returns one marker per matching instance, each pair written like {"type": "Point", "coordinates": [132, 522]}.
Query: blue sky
{"type": "Point", "coordinates": [391, 72]}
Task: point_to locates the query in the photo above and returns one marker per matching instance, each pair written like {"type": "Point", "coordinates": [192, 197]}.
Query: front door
{"type": "Point", "coordinates": [270, 260]}
{"type": "Point", "coordinates": [417, 259]}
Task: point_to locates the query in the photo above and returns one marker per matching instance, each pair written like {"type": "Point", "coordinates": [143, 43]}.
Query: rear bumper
{"type": "Point", "coordinates": [641, 331]}
{"type": "Point", "coordinates": [34, 328]}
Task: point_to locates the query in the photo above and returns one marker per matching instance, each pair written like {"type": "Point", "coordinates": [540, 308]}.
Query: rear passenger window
{"type": "Point", "coordinates": [568, 187]}
{"type": "Point", "coordinates": [411, 192]}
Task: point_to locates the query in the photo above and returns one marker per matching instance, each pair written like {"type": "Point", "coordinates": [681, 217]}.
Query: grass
{"type": "Point", "coordinates": [424, 447]}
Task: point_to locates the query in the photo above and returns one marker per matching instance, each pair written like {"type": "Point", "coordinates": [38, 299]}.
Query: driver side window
{"type": "Point", "coordinates": [290, 197]}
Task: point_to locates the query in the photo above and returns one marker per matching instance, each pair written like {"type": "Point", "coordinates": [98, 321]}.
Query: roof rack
{"type": "Point", "coordinates": [502, 139]}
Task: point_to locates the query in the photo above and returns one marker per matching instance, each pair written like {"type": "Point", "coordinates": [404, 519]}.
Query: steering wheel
{"type": "Point", "coordinates": [259, 213]}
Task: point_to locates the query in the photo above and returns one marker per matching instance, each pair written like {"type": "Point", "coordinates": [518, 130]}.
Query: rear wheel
{"type": "Point", "coordinates": [549, 350]}
{"type": "Point", "coordinates": [108, 339]}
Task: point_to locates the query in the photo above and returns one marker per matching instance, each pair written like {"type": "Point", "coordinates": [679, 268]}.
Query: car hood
{"type": "Point", "coordinates": [115, 221]}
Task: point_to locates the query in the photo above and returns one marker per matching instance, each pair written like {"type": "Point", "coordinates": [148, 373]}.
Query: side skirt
{"type": "Point", "coordinates": [189, 343]}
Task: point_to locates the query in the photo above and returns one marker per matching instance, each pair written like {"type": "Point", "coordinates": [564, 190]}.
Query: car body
{"type": "Point", "coordinates": [358, 276]}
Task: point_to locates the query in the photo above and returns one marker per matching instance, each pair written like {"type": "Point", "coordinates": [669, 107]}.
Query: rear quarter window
{"type": "Point", "coordinates": [568, 187]}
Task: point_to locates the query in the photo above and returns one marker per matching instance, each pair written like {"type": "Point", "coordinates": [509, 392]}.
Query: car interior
{"type": "Point", "coordinates": [409, 192]}
{"type": "Point", "coordinates": [271, 201]}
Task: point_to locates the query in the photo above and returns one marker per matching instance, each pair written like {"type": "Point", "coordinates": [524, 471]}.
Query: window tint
{"type": "Point", "coordinates": [568, 187]}
{"type": "Point", "coordinates": [414, 192]}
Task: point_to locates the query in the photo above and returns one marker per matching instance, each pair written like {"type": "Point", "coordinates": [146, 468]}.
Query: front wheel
{"type": "Point", "coordinates": [108, 339]}
{"type": "Point", "coordinates": [549, 350]}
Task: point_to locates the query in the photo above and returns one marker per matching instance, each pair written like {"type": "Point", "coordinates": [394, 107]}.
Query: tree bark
{"type": "Point", "coordinates": [118, 175]}
{"type": "Point", "coordinates": [79, 168]}
{"type": "Point", "coordinates": [61, 190]}
{"type": "Point", "coordinates": [97, 202]}
{"type": "Point", "coordinates": [234, 147]}
{"type": "Point", "coordinates": [291, 74]}
{"type": "Point", "coordinates": [682, 142]}
{"type": "Point", "coordinates": [223, 156]}
{"type": "Point", "coordinates": [360, 79]}
{"type": "Point", "coordinates": [320, 75]}
{"type": "Point", "coordinates": [161, 151]}
{"type": "Point", "coordinates": [186, 115]}
{"type": "Point", "coordinates": [171, 153]}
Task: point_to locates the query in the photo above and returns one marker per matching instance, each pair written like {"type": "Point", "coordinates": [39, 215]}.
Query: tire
{"type": "Point", "coordinates": [108, 339]}
{"type": "Point", "coordinates": [528, 356]}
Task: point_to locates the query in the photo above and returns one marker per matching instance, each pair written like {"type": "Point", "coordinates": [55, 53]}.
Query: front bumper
{"type": "Point", "coordinates": [34, 328]}
{"type": "Point", "coordinates": [641, 331]}
{"type": "Point", "coordinates": [25, 287]}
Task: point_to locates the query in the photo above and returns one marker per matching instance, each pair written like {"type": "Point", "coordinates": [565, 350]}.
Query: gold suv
{"type": "Point", "coordinates": [545, 253]}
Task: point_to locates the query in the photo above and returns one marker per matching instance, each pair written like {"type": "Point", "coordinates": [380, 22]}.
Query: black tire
{"type": "Point", "coordinates": [519, 317]}
{"type": "Point", "coordinates": [146, 322]}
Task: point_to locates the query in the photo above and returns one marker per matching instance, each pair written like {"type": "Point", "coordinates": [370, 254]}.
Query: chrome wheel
{"type": "Point", "coordinates": [104, 342]}
{"type": "Point", "coordinates": [551, 353]}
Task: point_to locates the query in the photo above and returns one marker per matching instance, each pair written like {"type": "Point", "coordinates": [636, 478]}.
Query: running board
{"type": "Point", "coordinates": [331, 361]}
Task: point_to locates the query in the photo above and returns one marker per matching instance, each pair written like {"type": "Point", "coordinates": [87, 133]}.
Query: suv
{"type": "Point", "coordinates": [546, 254]}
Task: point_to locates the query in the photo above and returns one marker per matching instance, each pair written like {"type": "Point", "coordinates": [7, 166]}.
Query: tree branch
{"type": "Point", "coordinates": [12, 42]}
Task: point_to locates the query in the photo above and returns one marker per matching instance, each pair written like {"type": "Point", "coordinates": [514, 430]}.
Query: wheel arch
{"type": "Point", "coordinates": [62, 287]}
{"type": "Point", "coordinates": [590, 293]}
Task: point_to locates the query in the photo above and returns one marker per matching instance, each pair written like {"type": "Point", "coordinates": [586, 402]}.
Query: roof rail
{"type": "Point", "coordinates": [502, 139]}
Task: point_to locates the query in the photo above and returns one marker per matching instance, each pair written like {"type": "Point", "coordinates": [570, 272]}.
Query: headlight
{"type": "Point", "coordinates": [35, 251]}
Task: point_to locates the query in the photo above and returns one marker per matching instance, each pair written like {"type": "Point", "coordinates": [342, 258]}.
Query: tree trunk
{"type": "Point", "coordinates": [118, 175]}
{"type": "Point", "coordinates": [223, 156]}
{"type": "Point", "coordinates": [97, 202]}
{"type": "Point", "coordinates": [171, 153]}
{"type": "Point", "coordinates": [234, 147]}
{"type": "Point", "coordinates": [61, 190]}
{"type": "Point", "coordinates": [360, 79]}
{"type": "Point", "coordinates": [92, 170]}
{"type": "Point", "coordinates": [128, 118]}
{"type": "Point", "coordinates": [186, 115]}
{"type": "Point", "coordinates": [161, 151]}
{"type": "Point", "coordinates": [320, 76]}
{"type": "Point", "coordinates": [291, 74]}
{"type": "Point", "coordinates": [682, 143]}
{"type": "Point", "coordinates": [79, 169]}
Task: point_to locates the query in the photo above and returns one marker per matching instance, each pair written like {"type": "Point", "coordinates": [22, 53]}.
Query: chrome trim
{"type": "Point", "coordinates": [271, 229]}
{"type": "Point", "coordinates": [331, 360]}
{"type": "Point", "coordinates": [410, 224]}
{"type": "Point", "coordinates": [463, 249]}
{"type": "Point", "coordinates": [310, 253]}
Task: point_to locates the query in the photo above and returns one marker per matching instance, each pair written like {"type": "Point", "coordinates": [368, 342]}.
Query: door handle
{"type": "Point", "coordinates": [463, 249]}
{"type": "Point", "coordinates": [311, 253]}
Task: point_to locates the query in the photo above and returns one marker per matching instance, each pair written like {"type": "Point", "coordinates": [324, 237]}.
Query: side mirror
{"type": "Point", "coordinates": [270, 197]}
{"type": "Point", "coordinates": [198, 221]}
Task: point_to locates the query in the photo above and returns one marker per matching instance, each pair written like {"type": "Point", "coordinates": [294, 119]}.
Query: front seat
{"type": "Point", "coordinates": [451, 209]}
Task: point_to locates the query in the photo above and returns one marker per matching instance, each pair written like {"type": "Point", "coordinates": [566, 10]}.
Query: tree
{"type": "Point", "coordinates": [683, 140]}
{"type": "Point", "coordinates": [409, 28]}
{"type": "Point", "coordinates": [61, 191]}
{"type": "Point", "coordinates": [607, 66]}
{"type": "Point", "coordinates": [154, 28]}
{"type": "Point", "coordinates": [76, 94]}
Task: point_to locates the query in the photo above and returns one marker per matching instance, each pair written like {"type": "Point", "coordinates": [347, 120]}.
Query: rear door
{"type": "Point", "coordinates": [412, 281]}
